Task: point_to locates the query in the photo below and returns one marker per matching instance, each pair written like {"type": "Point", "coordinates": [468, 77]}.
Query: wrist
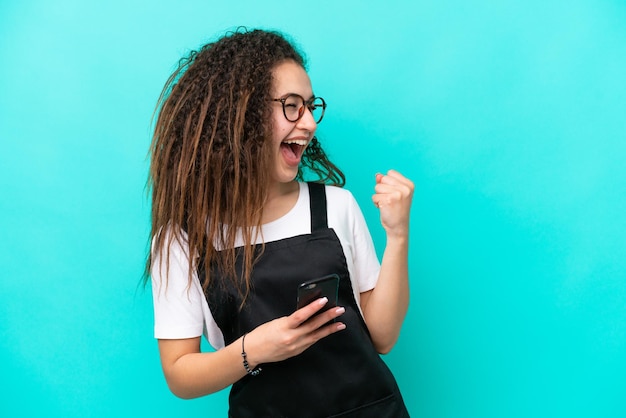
{"type": "Point", "coordinates": [400, 238]}
{"type": "Point", "coordinates": [249, 366]}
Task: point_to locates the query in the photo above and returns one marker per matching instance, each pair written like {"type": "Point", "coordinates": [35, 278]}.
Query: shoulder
{"type": "Point", "coordinates": [342, 208]}
{"type": "Point", "coordinates": [339, 196]}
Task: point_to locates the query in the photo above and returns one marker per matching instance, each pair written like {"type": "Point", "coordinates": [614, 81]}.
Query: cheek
{"type": "Point", "coordinates": [280, 130]}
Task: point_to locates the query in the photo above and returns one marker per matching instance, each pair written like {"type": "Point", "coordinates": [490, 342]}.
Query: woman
{"type": "Point", "coordinates": [234, 232]}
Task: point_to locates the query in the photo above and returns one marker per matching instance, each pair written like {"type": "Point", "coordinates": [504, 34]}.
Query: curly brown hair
{"type": "Point", "coordinates": [211, 154]}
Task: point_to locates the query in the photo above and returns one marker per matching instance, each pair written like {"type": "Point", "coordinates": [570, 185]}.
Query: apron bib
{"type": "Point", "coordinates": [341, 375]}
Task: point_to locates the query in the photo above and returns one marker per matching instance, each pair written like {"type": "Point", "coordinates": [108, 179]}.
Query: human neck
{"type": "Point", "coordinates": [281, 198]}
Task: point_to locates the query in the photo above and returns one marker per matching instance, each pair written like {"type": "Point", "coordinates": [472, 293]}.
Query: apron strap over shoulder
{"type": "Point", "coordinates": [317, 198]}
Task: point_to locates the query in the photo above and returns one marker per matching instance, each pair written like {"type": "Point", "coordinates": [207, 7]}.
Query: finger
{"type": "Point", "coordinates": [327, 330]}
{"type": "Point", "coordinates": [394, 177]}
{"type": "Point", "coordinates": [302, 314]}
{"type": "Point", "coordinates": [397, 175]}
{"type": "Point", "coordinates": [390, 189]}
{"type": "Point", "coordinates": [323, 318]}
{"type": "Point", "coordinates": [401, 189]}
{"type": "Point", "coordinates": [386, 197]}
{"type": "Point", "coordinates": [381, 200]}
{"type": "Point", "coordinates": [394, 182]}
{"type": "Point", "coordinates": [386, 192]}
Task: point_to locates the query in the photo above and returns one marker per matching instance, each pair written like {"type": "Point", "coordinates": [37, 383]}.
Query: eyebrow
{"type": "Point", "coordinates": [298, 94]}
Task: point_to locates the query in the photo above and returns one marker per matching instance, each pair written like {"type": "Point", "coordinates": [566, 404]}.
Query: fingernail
{"type": "Point", "coordinates": [340, 310]}
{"type": "Point", "coordinates": [323, 301]}
{"type": "Point", "coordinates": [341, 326]}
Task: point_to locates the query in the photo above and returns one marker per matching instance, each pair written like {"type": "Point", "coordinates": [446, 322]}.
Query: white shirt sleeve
{"type": "Point", "coordinates": [346, 218]}
{"type": "Point", "coordinates": [180, 308]}
{"type": "Point", "coordinates": [366, 261]}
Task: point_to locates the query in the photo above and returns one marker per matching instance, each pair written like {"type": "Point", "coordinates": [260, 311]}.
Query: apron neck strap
{"type": "Point", "coordinates": [317, 199]}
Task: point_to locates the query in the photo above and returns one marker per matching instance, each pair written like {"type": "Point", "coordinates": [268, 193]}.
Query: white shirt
{"type": "Point", "coordinates": [181, 311]}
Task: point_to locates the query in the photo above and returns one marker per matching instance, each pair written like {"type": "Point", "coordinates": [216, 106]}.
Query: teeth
{"type": "Point", "coordinates": [301, 142]}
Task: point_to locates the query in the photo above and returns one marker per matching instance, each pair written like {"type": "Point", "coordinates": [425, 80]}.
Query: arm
{"type": "Point", "coordinates": [385, 306]}
{"type": "Point", "coordinates": [190, 373]}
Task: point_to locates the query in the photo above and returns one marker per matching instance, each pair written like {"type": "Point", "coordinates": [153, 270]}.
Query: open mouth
{"type": "Point", "coordinates": [292, 150]}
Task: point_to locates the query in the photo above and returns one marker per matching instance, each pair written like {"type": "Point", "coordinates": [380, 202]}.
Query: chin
{"type": "Point", "coordinates": [286, 176]}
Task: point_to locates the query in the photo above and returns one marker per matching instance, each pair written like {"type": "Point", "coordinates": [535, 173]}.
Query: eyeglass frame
{"type": "Point", "coordinates": [306, 104]}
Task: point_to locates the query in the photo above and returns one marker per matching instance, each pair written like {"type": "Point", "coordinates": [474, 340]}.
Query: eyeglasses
{"type": "Point", "coordinates": [294, 106]}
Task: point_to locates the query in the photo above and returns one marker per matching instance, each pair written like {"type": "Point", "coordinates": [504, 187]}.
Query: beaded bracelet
{"type": "Point", "coordinates": [245, 360]}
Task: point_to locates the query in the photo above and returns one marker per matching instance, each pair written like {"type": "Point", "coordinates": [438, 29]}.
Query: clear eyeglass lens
{"type": "Point", "coordinates": [317, 108]}
{"type": "Point", "coordinates": [292, 106]}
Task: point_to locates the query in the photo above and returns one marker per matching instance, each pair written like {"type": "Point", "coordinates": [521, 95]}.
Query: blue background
{"type": "Point", "coordinates": [509, 116]}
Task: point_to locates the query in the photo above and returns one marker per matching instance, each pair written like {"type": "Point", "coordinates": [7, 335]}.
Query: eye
{"type": "Point", "coordinates": [293, 102]}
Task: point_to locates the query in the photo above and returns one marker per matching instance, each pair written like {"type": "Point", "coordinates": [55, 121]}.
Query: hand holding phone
{"type": "Point", "coordinates": [327, 286]}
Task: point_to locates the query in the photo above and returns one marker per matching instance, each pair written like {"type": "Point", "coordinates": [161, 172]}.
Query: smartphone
{"type": "Point", "coordinates": [327, 286]}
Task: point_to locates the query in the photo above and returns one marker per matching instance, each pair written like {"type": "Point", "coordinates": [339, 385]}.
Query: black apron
{"type": "Point", "coordinates": [341, 375]}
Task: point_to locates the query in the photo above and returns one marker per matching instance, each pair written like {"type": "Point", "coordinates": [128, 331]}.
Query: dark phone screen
{"type": "Point", "coordinates": [326, 286]}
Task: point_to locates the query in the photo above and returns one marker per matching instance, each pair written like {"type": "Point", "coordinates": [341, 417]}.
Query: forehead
{"type": "Point", "coordinates": [289, 77]}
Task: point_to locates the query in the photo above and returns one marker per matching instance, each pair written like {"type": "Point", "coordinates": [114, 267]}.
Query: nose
{"type": "Point", "coordinates": [307, 121]}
